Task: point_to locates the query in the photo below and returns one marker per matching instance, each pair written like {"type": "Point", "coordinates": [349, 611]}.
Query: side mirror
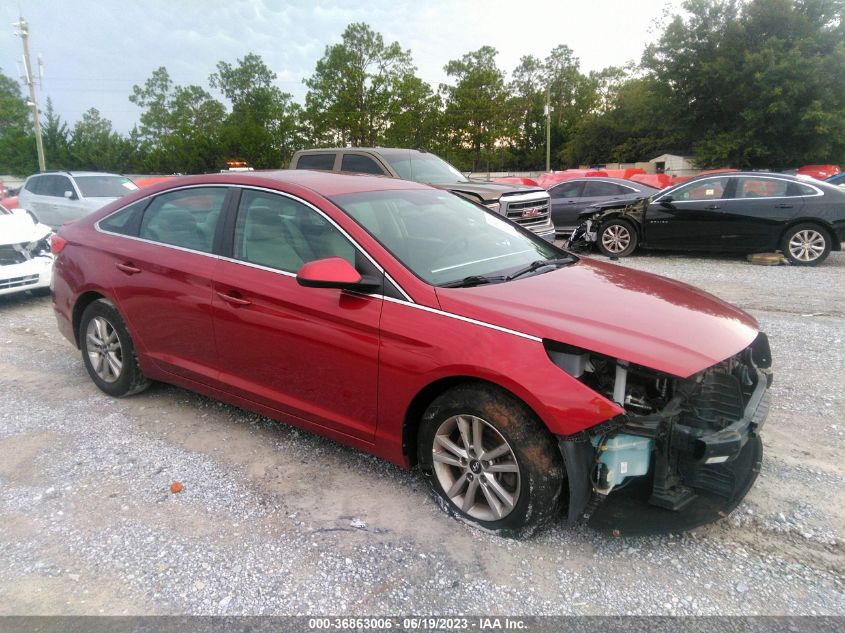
{"type": "Point", "coordinates": [332, 272]}
{"type": "Point", "coordinates": [666, 201]}
{"type": "Point", "coordinates": [70, 195]}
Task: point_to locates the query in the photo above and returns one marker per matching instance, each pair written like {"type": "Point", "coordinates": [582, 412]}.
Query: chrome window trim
{"type": "Point", "coordinates": [219, 257]}
{"type": "Point", "coordinates": [818, 191]}
{"type": "Point", "coordinates": [450, 315]}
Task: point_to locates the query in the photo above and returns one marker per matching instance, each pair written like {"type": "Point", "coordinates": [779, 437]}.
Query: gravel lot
{"type": "Point", "coordinates": [273, 520]}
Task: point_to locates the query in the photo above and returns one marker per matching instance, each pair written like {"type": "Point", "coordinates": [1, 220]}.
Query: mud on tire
{"type": "Point", "coordinates": [531, 472]}
{"type": "Point", "coordinates": [107, 351]}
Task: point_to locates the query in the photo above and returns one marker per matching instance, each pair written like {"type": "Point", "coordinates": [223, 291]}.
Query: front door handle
{"type": "Point", "coordinates": [235, 301]}
{"type": "Point", "coordinates": [713, 207]}
{"type": "Point", "coordinates": [129, 269]}
{"type": "Point", "coordinates": [783, 206]}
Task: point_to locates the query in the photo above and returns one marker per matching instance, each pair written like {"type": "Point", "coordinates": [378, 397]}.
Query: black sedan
{"type": "Point", "coordinates": [740, 212]}
{"type": "Point", "coordinates": [571, 197]}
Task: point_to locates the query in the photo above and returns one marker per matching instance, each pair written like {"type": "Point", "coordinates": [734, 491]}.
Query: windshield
{"type": "Point", "coordinates": [104, 186]}
{"type": "Point", "coordinates": [424, 168]}
{"type": "Point", "coordinates": [443, 238]}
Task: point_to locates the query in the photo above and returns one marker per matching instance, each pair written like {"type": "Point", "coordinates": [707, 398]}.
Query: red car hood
{"type": "Point", "coordinates": [638, 317]}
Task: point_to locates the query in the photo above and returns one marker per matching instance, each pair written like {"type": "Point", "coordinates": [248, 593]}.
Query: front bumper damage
{"type": "Point", "coordinates": [704, 446]}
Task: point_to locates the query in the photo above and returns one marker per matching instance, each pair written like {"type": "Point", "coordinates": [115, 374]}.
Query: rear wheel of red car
{"type": "Point", "coordinates": [806, 245]}
{"type": "Point", "coordinates": [108, 352]}
{"type": "Point", "coordinates": [490, 461]}
{"type": "Point", "coordinates": [617, 238]}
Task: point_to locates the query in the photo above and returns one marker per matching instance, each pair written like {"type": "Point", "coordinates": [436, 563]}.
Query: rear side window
{"type": "Point", "coordinates": [751, 187]}
{"type": "Point", "coordinates": [185, 218]}
{"type": "Point", "coordinates": [125, 221]}
{"type": "Point", "coordinates": [322, 162]}
{"type": "Point", "coordinates": [58, 185]}
{"type": "Point", "coordinates": [360, 164]}
{"type": "Point", "coordinates": [598, 188]}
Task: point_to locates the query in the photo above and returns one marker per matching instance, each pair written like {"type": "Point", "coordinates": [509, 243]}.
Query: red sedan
{"type": "Point", "coordinates": [418, 326]}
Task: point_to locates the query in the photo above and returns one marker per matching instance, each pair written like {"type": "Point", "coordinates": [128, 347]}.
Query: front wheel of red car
{"type": "Point", "coordinates": [108, 352]}
{"type": "Point", "coordinates": [617, 238]}
{"type": "Point", "coordinates": [490, 461]}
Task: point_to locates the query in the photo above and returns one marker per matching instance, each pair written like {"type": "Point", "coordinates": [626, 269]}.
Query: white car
{"type": "Point", "coordinates": [56, 197]}
{"type": "Point", "coordinates": [26, 262]}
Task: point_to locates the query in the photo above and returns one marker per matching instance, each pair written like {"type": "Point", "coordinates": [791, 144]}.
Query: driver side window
{"type": "Point", "coordinates": [711, 189]}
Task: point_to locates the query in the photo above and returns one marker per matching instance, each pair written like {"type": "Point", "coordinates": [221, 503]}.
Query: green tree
{"type": "Point", "coordinates": [56, 138]}
{"type": "Point", "coordinates": [17, 142]}
{"type": "Point", "coordinates": [756, 84]}
{"type": "Point", "coordinates": [357, 87]}
{"type": "Point", "coordinates": [264, 126]}
{"type": "Point", "coordinates": [179, 126]}
{"type": "Point", "coordinates": [476, 105]}
{"type": "Point", "coordinates": [414, 115]}
{"type": "Point", "coordinates": [95, 145]}
{"type": "Point", "coordinates": [527, 106]}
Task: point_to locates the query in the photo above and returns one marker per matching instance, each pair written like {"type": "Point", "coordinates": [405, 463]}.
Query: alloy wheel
{"type": "Point", "coordinates": [104, 350]}
{"type": "Point", "coordinates": [807, 245]}
{"type": "Point", "coordinates": [476, 467]}
{"type": "Point", "coordinates": [616, 238]}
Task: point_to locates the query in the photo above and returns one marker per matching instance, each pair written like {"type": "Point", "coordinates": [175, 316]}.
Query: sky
{"type": "Point", "coordinates": [94, 51]}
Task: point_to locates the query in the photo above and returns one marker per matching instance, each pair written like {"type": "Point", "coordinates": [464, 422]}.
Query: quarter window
{"type": "Point", "coordinates": [186, 218]}
{"type": "Point", "coordinates": [125, 221]}
{"type": "Point", "coordinates": [360, 164]}
{"type": "Point", "coordinates": [281, 233]}
{"type": "Point", "coordinates": [322, 162]}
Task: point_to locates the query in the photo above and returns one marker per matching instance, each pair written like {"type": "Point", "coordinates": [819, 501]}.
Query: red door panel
{"type": "Point", "coordinates": [310, 352]}
{"type": "Point", "coordinates": [165, 295]}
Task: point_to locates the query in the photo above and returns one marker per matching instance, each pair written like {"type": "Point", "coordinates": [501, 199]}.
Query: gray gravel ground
{"type": "Point", "coordinates": [273, 520]}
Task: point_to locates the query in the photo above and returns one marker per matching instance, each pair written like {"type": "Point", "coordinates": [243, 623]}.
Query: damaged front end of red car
{"type": "Point", "coordinates": [685, 451]}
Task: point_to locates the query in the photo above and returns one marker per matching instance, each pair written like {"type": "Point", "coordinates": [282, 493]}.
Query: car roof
{"type": "Point", "coordinates": [746, 174]}
{"type": "Point", "coordinates": [385, 151]}
{"type": "Point", "coordinates": [62, 172]}
{"type": "Point", "coordinates": [324, 183]}
{"type": "Point", "coordinates": [633, 184]}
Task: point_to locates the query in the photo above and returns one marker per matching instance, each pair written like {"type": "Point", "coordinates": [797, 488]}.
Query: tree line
{"type": "Point", "coordinates": [740, 83]}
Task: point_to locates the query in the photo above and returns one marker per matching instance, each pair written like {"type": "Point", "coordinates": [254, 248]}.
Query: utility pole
{"type": "Point", "coordinates": [23, 32]}
{"type": "Point", "coordinates": [548, 130]}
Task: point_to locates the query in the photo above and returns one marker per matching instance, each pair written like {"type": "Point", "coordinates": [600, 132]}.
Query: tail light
{"type": "Point", "coordinates": [57, 244]}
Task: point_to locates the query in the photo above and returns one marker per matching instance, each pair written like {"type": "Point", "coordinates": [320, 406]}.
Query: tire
{"type": "Point", "coordinates": [806, 244]}
{"type": "Point", "coordinates": [525, 467]}
{"type": "Point", "coordinates": [617, 238]}
{"type": "Point", "coordinates": [108, 352]}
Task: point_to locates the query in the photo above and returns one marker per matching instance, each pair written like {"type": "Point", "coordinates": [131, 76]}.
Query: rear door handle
{"type": "Point", "coordinates": [235, 301]}
{"type": "Point", "coordinates": [128, 269]}
{"type": "Point", "coordinates": [713, 207]}
{"type": "Point", "coordinates": [783, 206]}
